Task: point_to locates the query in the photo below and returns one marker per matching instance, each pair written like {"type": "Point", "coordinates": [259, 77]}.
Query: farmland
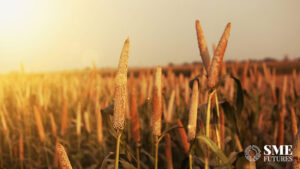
{"type": "Point", "coordinates": [160, 117]}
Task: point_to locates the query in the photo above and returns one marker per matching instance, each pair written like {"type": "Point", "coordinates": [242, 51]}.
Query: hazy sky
{"type": "Point", "coordinates": [58, 35]}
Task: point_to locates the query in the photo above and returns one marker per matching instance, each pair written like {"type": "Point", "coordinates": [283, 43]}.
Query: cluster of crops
{"type": "Point", "coordinates": [152, 118]}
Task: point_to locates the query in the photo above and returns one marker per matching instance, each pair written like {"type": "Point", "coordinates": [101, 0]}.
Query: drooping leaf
{"type": "Point", "coordinates": [106, 158]}
{"type": "Point", "coordinates": [230, 114]}
{"type": "Point", "coordinates": [167, 131]}
{"type": "Point", "coordinates": [148, 155]}
{"type": "Point", "coordinates": [239, 101]}
{"type": "Point", "coordinates": [216, 150]}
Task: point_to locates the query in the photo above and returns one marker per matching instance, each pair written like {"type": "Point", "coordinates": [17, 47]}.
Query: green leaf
{"type": "Point", "coordinates": [215, 149]}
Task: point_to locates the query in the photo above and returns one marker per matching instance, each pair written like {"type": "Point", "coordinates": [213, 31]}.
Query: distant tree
{"type": "Point", "coordinates": [269, 59]}
{"type": "Point", "coordinates": [286, 58]}
{"type": "Point", "coordinates": [253, 60]}
{"type": "Point", "coordinates": [297, 58]}
{"type": "Point", "coordinates": [171, 64]}
{"type": "Point", "coordinates": [196, 63]}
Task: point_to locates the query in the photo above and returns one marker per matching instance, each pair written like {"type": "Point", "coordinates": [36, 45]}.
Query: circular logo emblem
{"type": "Point", "coordinates": [252, 153]}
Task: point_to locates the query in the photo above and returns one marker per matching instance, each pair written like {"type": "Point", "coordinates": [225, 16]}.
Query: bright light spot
{"type": "Point", "coordinates": [15, 13]}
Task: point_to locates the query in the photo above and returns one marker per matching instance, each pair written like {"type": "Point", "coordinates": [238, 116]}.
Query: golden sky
{"type": "Point", "coordinates": [70, 34]}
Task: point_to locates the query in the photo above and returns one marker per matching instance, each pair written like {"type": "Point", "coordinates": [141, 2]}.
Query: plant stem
{"type": "Point", "coordinates": [45, 150]}
{"type": "Point", "coordinates": [217, 105]}
{"type": "Point", "coordinates": [208, 124]}
{"type": "Point", "coordinates": [118, 150]}
{"type": "Point", "coordinates": [206, 161]}
{"type": "Point", "coordinates": [218, 137]}
{"type": "Point", "coordinates": [238, 142]}
{"type": "Point", "coordinates": [208, 113]}
{"type": "Point", "coordinates": [218, 125]}
{"type": "Point", "coordinates": [138, 157]}
{"type": "Point", "coordinates": [156, 152]}
{"type": "Point", "coordinates": [191, 160]}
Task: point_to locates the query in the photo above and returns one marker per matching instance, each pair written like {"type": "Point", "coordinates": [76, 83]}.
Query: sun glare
{"type": "Point", "coordinates": [15, 13]}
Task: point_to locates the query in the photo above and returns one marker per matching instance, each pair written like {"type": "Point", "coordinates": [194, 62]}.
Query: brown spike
{"type": "Point", "coordinates": [39, 124]}
{"type": "Point", "coordinates": [183, 137]}
{"type": "Point", "coordinates": [21, 149]}
{"type": "Point", "coordinates": [280, 136]}
{"type": "Point", "coordinates": [64, 118]}
{"type": "Point", "coordinates": [135, 125]}
{"type": "Point", "coordinates": [120, 97]}
{"type": "Point", "coordinates": [186, 91]}
{"type": "Point", "coordinates": [157, 103]}
{"type": "Point", "coordinates": [266, 72]}
{"type": "Point", "coordinates": [214, 47]}
{"type": "Point", "coordinates": [168, 150]}
{"type": "Point", "coordinates": [86, 116]}
{"type": "Point", "coordinates": [177, 95]}
{"type": "Point", "coordinates": [294, 123]}
{"type": "Point", "coordinates": [99, 126]}
{"type": "Point", "coordinates": [202, 46]}
{"type": "Point", "coordinates": [123, 62]}
{"type": "Point", "coordinates": [3, 121]}
{"type": "Point", "coordinates": [143, 88]}
{"type": "Point", "coordinates": [62, 157]}
{"type": "Point", "coordinates": [171, 107]}
{"type": "Point", "coordinates": [283, 91]}
{"type": "Point", "coordinates": [193, 112]}
{"type": "Point", "coordinates": [223, 70]}
{"type": "Point", "coordinates": [53, 125]}
{"type": "Point", "coordinates": [78, 120]}
{"type": "Point", "coordinates": [213, 75]}
{"type": "Point", "coordinates": [245, 74]}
